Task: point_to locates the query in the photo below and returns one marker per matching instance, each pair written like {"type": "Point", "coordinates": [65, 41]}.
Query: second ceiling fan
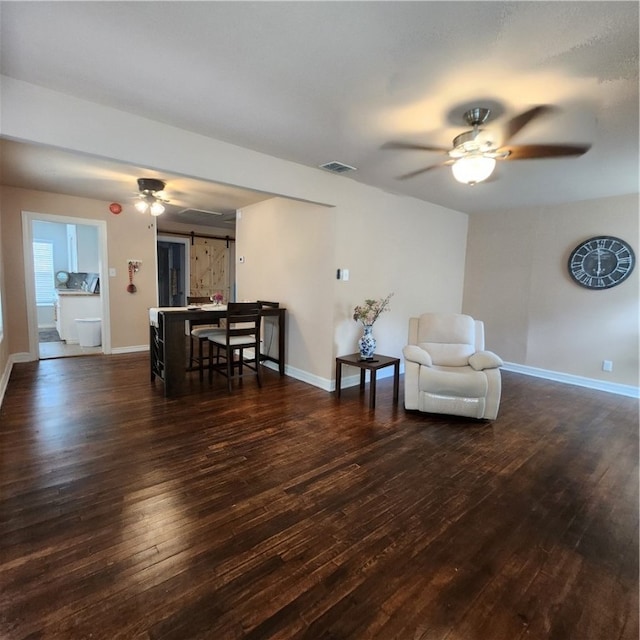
{"type": "Point", "coordinates": [151, 196]}
{"type": "Point", "coordinates": [474, 153]}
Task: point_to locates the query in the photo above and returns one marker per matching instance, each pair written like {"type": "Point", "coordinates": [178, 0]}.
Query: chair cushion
{"type": "Point", "coordinates": [448, 337]}
{"type": "Point", "coordinates": [448, 355]}
{"type": "Point", "coordinates": [413, 353]}
{"type": "Point", "coordinates": [206, 331]}
{"type": "Point", "coordinates": [234, 341]}
{"type": "Point", "coordinates": [485, 360]}
{"type": "Point", "coordinates": [462, 382]}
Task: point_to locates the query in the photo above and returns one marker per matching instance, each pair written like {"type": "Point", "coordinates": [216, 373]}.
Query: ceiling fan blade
{"type": "Point", "coordinates": [517, 123]}
{"type": "Point", "coordinates": [531, 151]}
{"type": "Point", "coordinates": [413, 147]}
{"type": "Point", "coordinates": [413, 174]}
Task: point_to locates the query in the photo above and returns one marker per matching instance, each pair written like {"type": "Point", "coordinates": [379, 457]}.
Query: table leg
{"type": "Point", "coordinates": [362, 375]}
{"type": "Point", "coordinates": [372, 389]}
{"type": "Point", "coordinates": [174, 357]}
{"type": "Point", "coordinates": [153, 354]}
{"type": "Point", "coordinates": [281, 335]}
{"type": "Point", "coordinates": [338, 378]}
{"type": "Point", "coordinates": [396, 381]}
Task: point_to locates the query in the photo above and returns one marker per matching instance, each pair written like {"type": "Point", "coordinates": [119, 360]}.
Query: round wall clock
{"type": "Point", "coordinates": [601, 262]}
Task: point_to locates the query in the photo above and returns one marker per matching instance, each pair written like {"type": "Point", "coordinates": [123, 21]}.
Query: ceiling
{"type": "Point", "coordinates": [314, 82]}
{"type": "Point", "coordinates": [191, 201]}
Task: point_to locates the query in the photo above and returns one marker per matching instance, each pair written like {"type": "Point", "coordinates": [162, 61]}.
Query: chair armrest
{"type": "Point", "coordinates": [414, 353]}
{"type": "Point", "coordinates": [485, 360]}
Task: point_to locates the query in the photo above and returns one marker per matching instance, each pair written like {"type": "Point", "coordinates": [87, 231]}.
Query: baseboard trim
{"type": "Point", "coordinates": [4, 379]}
{"type": "Point", "coordinates": [567, 378]}
{"type": "Point", "coordinates": [23, 356]}
{"type": "Point", "coordinates": [132, 349]}
{"type": "Point", "coordinates": [299, 374]}
{"type": "Point", "coordinates": [6, 374]}
{"type": "Point", "coordinates": [326, 384]}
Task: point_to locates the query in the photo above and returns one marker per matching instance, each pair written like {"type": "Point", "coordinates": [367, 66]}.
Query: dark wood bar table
{"type": "Point", "coordinates": [167, 351]}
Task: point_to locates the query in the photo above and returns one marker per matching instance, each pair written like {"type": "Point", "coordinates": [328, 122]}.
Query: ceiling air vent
{"type": "Point", "coordinates": [337, 167]}
{"type": "Point", "coordinates": [201, 216]}
{"type": "Point", "coordinates": [199, 211]}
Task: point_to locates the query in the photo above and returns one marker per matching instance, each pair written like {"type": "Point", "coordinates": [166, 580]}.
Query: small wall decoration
{"type": "Point", "coordinates": [134, 267]}
{"type": "Point", "coordinates": [115, 208]}
{"type": "Point", "coordinates": [601, 262]}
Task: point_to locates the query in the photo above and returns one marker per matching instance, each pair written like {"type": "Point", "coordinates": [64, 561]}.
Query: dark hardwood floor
{"type": "Point", "coordinates": [285, 513]}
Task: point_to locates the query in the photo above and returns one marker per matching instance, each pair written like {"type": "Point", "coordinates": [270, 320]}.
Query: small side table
{"type": "Point", "coordinates": [378, 362]}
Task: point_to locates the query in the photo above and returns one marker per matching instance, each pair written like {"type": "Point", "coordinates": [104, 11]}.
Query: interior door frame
{"type": "Point", "coordinates": [186, 266]}
{"type": "Point", "coordinates": [28, 217]}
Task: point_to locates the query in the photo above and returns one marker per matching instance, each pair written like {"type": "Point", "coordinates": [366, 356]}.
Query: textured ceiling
{"type": "Point", "coordinates": [314, 82]}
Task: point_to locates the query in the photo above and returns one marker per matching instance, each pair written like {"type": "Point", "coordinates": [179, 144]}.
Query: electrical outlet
{"type": "Point", "coordinates": [607, 365]}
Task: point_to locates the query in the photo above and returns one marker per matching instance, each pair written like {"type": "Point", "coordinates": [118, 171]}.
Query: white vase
{"type": "Point", "coordinates": [367, 342]}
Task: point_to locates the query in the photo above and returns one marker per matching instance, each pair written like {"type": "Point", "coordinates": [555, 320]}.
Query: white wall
{"type": "Point", "coordinates": [45, 316]}
{"type": "Point", "coordinates": [403, 246]}
{"type": "Point", "coordinates": [400, 245]}
{"type": "Point", "coordinates": [87, 247]}
{"type": "Point", "coordinates": [287, 252]}
{"type": "Point", "coordinates": [5, 361]}
{"type": "Point", "coordinates": [517, 281]}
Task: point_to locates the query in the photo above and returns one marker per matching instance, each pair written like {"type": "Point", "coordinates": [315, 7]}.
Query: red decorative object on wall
{"type": "Point", "coordinates": [115, 208]}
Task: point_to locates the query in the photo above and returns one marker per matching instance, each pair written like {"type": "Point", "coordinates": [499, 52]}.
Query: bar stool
{"type": "Point", "coordinates": [242, 332]}
{"type": "Point", "coordinates": [200, 331]}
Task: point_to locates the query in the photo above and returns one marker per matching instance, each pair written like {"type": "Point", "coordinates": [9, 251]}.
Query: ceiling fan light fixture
{"type": "Point", "coordinates": [472, 169]}
{"type": "Point", "coordinates": [141, 206]}
{"type": "Point", "coordinates": [150, 185]}
{"type": "Point", "coordinates": [156, 208]}
{"type": "Point", "coordinates": [151, 196]}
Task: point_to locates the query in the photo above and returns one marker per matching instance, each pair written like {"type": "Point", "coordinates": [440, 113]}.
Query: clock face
{"type": "Point", "coordinates": [601, 262]}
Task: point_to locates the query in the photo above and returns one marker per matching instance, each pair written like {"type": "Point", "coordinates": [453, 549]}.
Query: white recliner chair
{"type": "Point", "coordinates": [447, 369]}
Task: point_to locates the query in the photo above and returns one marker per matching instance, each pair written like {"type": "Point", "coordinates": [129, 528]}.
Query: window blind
{"type": "Point", "coordinates": [43, 271]}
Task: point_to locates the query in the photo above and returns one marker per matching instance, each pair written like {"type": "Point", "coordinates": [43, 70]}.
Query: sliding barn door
{"type": "Point", "coordinates": [209, 267]}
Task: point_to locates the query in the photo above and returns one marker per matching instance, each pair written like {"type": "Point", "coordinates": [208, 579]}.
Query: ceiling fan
{"type": "Point", "coordinates": [474, 153]}
{"type": "Point", "coordinates": [151, 196]}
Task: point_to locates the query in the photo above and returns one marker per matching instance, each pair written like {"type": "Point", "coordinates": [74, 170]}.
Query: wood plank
{"type": "Point", "coordinates": [283, 513]}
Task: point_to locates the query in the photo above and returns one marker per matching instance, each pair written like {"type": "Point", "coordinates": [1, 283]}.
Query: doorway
{"type": "Point", "coordinates": [173, 271]}
{"type": "Point", "coordinates": [196, 266]}
{"type": "Point", "coordinates": [100, 308]}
